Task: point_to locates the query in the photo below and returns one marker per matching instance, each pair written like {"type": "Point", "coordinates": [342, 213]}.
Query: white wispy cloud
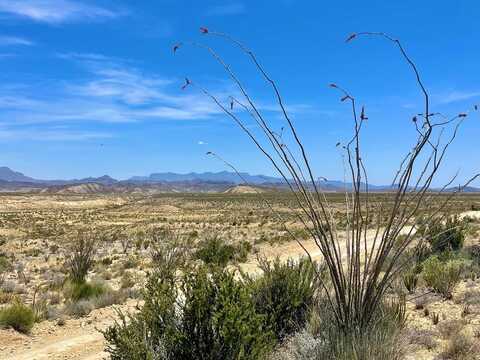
{"type": "Point", "coordinates": [56, 11]}
{"type": "Point", "coordinates": [7, 55]}
{"type": "Point", "coordinates": [454, 96]}
{"type": "Point", "coordinates": [51, 134]}
{"type": "Point", "coordinates": [110, 91]}
{"type": "Point", "coordinates": [202, 143]}
{"type": "Point", "coordinates": [227, 9]}
{"type": "Point", "coordinates": [13, 40]}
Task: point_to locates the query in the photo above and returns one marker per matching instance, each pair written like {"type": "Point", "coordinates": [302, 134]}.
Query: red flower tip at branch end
{"type": "Point", "coordinates": [462, 115]}
{"type": "Point", "coordinates": [475, 107]}
{"type": "Point", "coordinates": [231, 104]}
{"type": "Point", "coordinates": [344, 98]}
{"type": "Point", "coordinates": [414, 119]}
{"type": "Point", "coordinates": [362, 115]}
{"type": "Point", "coordinates": [209, 153]}
{"type": "Point", "coordinates": [176, 47]}
{"type": "Point", "coordinates": [351, 37]}
{"type": "Point", "coordinates": [332, 85]}
{"type": "Point", "coordinates": [187, 82]}
{"type": "Point", "coordinates": [204, 30]}
{"type": "Point", "coordinates": [338, 144]}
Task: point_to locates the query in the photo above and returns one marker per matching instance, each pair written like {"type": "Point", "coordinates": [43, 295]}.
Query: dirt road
{"type": "Point", "coordinates": [78, 339]}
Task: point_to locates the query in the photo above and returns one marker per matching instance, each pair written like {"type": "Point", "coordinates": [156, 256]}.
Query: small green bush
{"type": "Point", "coordinates": [284, 294]}
{"type": "Point", "coordinates": [448, 236]}
{"type": "Point", "coordinates": [85, 290]}
{"type": "Point", "coordinates": [442, 276]}
{"type": "Point", "coordinates": [410, 280]}
{"type": "Point", "coordinates": [214, 251]}
{"type": "Point", "coordinates": [17, 316]}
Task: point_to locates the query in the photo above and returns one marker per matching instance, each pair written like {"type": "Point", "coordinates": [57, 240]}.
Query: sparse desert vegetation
{"type": "Point", "coordinates": [196, 244]}
{"type": "Point", "coordinates": [229, 265]}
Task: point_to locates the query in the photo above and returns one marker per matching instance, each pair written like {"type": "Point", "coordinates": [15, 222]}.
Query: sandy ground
{"type": "Point", "coordinates": [77, 339]}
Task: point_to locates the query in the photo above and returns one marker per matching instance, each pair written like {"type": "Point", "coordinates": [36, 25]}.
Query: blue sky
{"type": "Point", "coordinates": [92, 87]}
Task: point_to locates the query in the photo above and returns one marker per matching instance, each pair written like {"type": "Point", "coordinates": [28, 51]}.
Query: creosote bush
{"type": "Point", "coordinates": [284, 293]}
{"type": "Point", "coordinates": [213, 317]}
{"type": "Point", "coordinates": [79, 291]}
{"type": "Point", "coordinates": [445, 236]}
{"type": "Point", "coordinates": [215, 251]}
{"type": "Point", "coordinates": [442, 276]}
{"type": "Point", "coordinates": [17, 316]}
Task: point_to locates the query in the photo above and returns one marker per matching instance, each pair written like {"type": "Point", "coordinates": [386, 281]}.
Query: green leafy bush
{"type": "Point", "coordinates": [284, 294]}
{"type": "Point", "coordinates": [447, 236]}
{"type": "Point", "coordinates": [78, 291]}
{"type": "Point", "coordinates": [442, 276]}
{"type": "Point", "coordinates": [17, 316]}
{"type": "Point", "coordinates": [214, 251]}
{"type": "Point", "coordinates": [216, 319]}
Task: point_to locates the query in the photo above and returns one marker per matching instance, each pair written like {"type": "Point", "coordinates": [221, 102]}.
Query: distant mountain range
{"type": "Point", "coordinates": [223, 176]}
{"type": "Point", "coordinates": [11, 180]}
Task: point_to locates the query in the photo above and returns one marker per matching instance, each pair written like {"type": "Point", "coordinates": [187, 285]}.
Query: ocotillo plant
{"type": "Point", "coordinates": [360, 270]}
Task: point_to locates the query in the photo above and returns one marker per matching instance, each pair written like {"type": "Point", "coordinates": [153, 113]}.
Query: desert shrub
{"type": "Point", "coordinates": [52, 313]}
{"type": "Point", "coordinates": [215, 251]}
{"type": "Point", "coordinates": [107, 261]}
{"type": "Point", "coordinates": [410, 280]}
{"type": "Point", "coordinates": [471, 297]}
{"type": "Point", "coordinates": [17, 316]}
{"type": "Point", "coordinates": [325, 340]}
{"type": "Point", "coordinates": [5, 266]}
{"type": "Point", "coordinates": [284, 294]}
{"type": "Point", "coordinates": [442, 276]}
{"type": "Point", "coordinates": [423, 338]}
{"type": "Point", "coordinates": [458, 348]}
{"type": "Point", "coordinates": [109, 297]}
{"type": "Point", "coordinates": [447, 236]}
{"type": "Point", "coordinates": [8, 286]}
{"type": "Point", "coordinates": [216, 319]}
{"type": "Point", "coordinates": [5, 297]}
{"type": "Point", "coordinates": [243, 249]}
{"type": "Point", "coordinates": [380, 341]}
{"type": "Point", "coordinates": [301, 346]}
{"type": "Point", "coordinates": [80, 308]}
{"type": "Point", "coordinates": [131, 262]}
{"type": "Point", "coordinates": [81, 256]}
{"type": "Point", "coordinates": [86, 290]}
{"type": "Point", "coordinates": [127, 280]}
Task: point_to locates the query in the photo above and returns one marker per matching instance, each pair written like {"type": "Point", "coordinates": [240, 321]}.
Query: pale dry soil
{"type": "Point", "coordinates": [79, 339]}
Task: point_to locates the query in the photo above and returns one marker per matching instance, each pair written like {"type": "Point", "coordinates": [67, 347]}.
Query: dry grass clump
{"type": "Point", "coordinates": [421, 337]}
{"type": "Point", "coordinates": [460, 346]}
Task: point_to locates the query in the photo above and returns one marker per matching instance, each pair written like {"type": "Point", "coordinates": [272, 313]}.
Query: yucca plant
{"type": "Point", "coordinates": [361, 268]}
